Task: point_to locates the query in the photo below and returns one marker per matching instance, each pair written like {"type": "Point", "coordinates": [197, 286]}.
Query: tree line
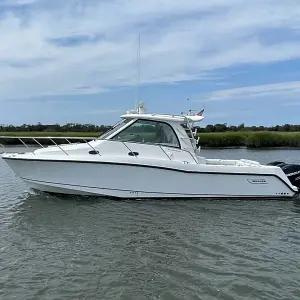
{"type": "Point", "coordinates": [75, 127]}
{"type": "Point", "coordinates": [242, 127]}
{"type": "Point", "coordinates": [69, 127]}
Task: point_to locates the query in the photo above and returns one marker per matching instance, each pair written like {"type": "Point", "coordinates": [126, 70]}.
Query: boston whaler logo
{"type": "Point", "coordinates": [257, 181]}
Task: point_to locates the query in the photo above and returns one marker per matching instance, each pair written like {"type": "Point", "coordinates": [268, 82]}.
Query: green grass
{"type": "Point", "coordinates": [273, 139]}
{"type": "Point", "coordinates": [222, 139]}
{"type": "Point", "coordinates": [249, 139]}
{"type": "Point", "coordinates": [259, 139]}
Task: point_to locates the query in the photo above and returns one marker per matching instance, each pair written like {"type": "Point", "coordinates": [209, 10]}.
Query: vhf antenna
{"type": "Point", "coordinates": [138, 72]}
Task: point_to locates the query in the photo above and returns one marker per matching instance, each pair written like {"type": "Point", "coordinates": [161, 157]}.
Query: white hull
{"type": "Point", "coordinates": [166, 179]}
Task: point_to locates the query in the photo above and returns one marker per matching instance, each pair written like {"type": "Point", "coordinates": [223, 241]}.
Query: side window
{"type": "Point", "coordinates": [149, 132]}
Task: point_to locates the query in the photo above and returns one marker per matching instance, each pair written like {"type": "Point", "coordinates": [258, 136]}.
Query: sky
{"type": "Point", "coordinates": [76, 60]}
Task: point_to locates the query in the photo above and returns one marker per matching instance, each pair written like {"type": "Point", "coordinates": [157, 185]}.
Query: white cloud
{"type": "Point", "coordinates": [181, 40]}
{"type": "Point", "coordinates": [277, 91]}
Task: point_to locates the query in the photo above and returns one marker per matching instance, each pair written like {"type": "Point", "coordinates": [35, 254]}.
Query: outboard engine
{"type": "Point", "coordinates": [292, 171]}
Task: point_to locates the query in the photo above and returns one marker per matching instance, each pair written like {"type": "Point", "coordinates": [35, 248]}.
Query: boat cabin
{"type": "Point", "coordinates": [168, 133]}
{"type": "Point", "coordinates": [142, 135]}
{"type": "Point", "coordinates": [161, 130]}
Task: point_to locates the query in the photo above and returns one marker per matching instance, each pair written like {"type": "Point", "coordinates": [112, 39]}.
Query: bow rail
{"type": "Point", "coordinates": [51, 139]}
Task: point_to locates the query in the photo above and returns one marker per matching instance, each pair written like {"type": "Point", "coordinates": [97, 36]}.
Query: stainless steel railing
{"type": "Point", "coordinates": [87, 140]}
{"type": "Point", "coordinates": [38, 140]}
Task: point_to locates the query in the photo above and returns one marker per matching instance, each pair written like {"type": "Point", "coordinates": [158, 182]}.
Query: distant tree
{"type": "Point", "coordinates": [241, 126]}
{"type": "Point", "coordinates": [76, 127]}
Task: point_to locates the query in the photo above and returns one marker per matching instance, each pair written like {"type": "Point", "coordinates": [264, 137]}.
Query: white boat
{"type": "Point", "coordinates": [149, 156]}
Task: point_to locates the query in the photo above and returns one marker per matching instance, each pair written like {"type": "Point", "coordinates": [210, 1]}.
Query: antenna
{"type": "Point", "coordinates": [138, 72]}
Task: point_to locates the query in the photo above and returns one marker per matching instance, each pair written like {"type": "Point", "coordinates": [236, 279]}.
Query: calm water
{"type": "Point", "coordinates": [70, 248]}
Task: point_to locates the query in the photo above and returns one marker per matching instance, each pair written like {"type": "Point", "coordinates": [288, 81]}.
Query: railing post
{"type": "Point", "coordinates": [38, 142]}
{"type": "Point", "coordinates": [93, 148]}
{"type": "Point", "coordinates": [23, 142]}
{"type": "Point", "coordinates": [129, 149]}
{"type": "Point", "coordinates": [165, 152]}
{"type": "Point", "coordinates": [58, 146]}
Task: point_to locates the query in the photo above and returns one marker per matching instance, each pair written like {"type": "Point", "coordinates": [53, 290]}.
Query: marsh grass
{"type": "Point", "coordinates": [249, 139]}
{"type": "Point", "coordinates": [267, 139]}
{"type": "Point", "coordinates": [259, 139]}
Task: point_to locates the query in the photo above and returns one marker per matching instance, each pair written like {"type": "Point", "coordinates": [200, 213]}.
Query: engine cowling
{"type": "Point", "coordinates": [292, 171]}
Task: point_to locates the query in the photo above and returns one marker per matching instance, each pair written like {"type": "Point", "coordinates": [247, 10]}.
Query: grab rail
{"type": "Point", "coordinates": [86, 140]}
{"type": "Point", "coordinates": [35, 139]}
{"type": "Point", "coordinates": [49, 138]}
{"type": "Point", "coordinates": [66, 138]}
{"type": "Point", "coordinates": [192, 140]}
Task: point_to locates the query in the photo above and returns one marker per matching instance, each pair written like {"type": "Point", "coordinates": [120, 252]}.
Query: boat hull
{"type": "Point", "coordinates": [133, 180]}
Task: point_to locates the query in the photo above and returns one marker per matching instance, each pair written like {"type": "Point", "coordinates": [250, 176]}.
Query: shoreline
{"type": "Point", "coordinates": [252, 148]}
{"type": "Point", "coordinates": [253, 140]}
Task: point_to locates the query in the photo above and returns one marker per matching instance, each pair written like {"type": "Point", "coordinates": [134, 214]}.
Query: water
{"type": "Point", "coordinates": [70, 248]}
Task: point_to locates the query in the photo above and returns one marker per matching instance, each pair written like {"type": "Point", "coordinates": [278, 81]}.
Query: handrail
{"type": "Point", "coordinates": [84, 139]}
{"type": "Point", "coordinates": [192, 156]}
{"type": "Point", "coordinates": [52, 139]}
{"type": "Point", "coordinates": [22, 142]}
{"type": "Point", "coordinates": [48, 137]}
{"type": "Point", "coordinates": [92, 147]}
{"type": "Point", "coordinates": [127, 148]}
{"type": "Point", "coordinates": [59, 146]}
{"type": "Point", "coordinates": [190, 152]}
{"type": "Point", "coordinates": [165, 152]}
{"type": "Point", "coordinates": [38, 143]}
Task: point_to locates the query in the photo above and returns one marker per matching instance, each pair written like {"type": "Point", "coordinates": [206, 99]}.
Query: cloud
{"type": "Point", "coordinates": [54, 47]}
{"type": "Point", "coordinates": [284, 90]}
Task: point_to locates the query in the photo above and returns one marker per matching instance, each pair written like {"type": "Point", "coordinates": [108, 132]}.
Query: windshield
{"type": "Point", "coordinates": [113, 129]}
{"type": "Point", "coordinates": [149, 132]}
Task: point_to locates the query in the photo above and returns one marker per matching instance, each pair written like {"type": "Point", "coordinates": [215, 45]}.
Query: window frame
{"type": "Point", "coordinates": [154, 144]}
{"type": "Point", "coordinates": [115, 129]}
